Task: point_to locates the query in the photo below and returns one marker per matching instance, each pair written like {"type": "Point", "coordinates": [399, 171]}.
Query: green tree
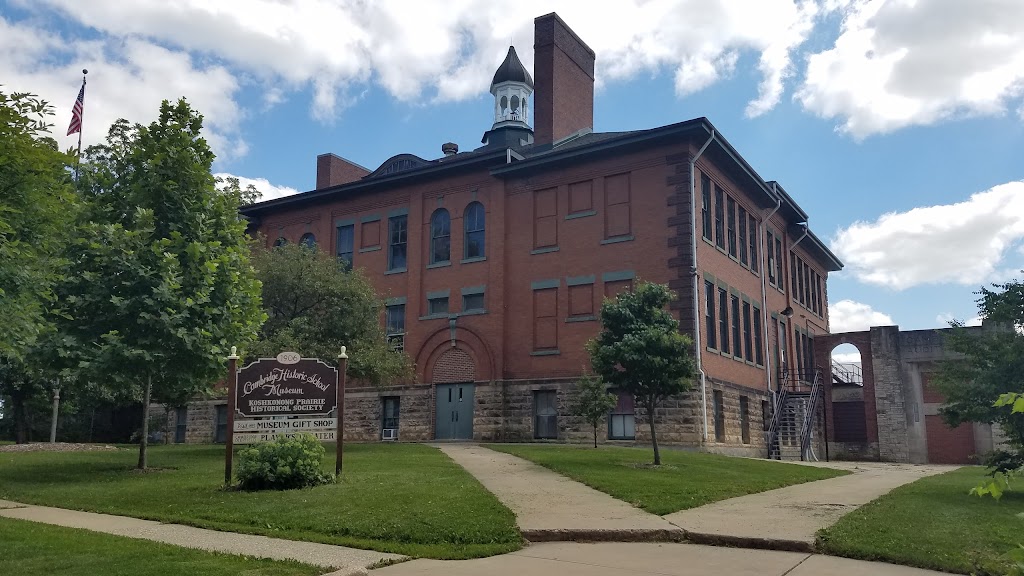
{"type": "Point", "coordinates": [990, 363]}
{"type": "Point", "coordinates": [641, 351]}
{"type": "Point", "coordinates": [314, 307]}
{"type": "Point", "coordinates": [162, 285]}
{"type": "Point", "coordinates": [36, 211]}
{"type": "Point", "coordinates": [592, 402]}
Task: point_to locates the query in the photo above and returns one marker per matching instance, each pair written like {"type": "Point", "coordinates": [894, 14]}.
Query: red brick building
{"type": "Point", "coordinates": [494, 262]}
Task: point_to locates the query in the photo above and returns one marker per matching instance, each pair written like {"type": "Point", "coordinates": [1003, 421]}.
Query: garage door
{"type": "Point", "coordinates": [949, 445]}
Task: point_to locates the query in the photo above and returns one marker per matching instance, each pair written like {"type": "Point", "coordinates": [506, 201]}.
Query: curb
{"type": "Point", "coordinates": [585, 535]}
{"type": "Point", "coordinates": [749, 542]}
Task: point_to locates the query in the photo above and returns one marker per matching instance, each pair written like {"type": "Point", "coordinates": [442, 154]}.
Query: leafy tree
{"type": "Point", "coordinates": [161, 286]}
{"type": "Point", "coordinates": [641, 351]}
{"type": "Point", "coordinates": [592, 402]}
{"type": "Point", "coordinates": [990, 363]}
{"type": "Point", "coordinates": [36, 211]}
{"type": "Point", "coordinates": [314, 307]}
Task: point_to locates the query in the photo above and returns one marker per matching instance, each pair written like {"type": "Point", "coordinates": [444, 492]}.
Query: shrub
{"type": "Point", "coordinates": [285, 463]}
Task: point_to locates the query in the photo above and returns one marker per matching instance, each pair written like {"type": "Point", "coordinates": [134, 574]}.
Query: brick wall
{"type": "Point", "coordinates": [563, 67]}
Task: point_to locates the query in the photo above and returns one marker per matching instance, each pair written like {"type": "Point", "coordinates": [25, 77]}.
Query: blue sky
{"type": "Point", "coordinates": [898, 125]}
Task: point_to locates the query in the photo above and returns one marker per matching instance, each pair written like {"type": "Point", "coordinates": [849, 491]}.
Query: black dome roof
{"type": "Point", "coordinates": [512, 70]}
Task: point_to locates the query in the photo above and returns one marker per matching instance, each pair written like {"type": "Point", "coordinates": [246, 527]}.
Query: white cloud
{"type": "Point", "coordinates": [850, 316]}
{"type": "Point", "coordinates": [451, 47]}
{"type": "Point", "coordinates": [960, 243]}
{"type": "Point", "coordinates": [901, 63]}
{"type": "Point", "coordinates": [127, 79]}
{"type": "Point", "coordinates": [267, 190]}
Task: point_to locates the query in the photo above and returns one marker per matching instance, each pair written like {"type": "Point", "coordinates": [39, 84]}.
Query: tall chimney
{"type": "Point", "coordinates": [563, 67]}
{"type": "Point", "coordinates": [333, 170]}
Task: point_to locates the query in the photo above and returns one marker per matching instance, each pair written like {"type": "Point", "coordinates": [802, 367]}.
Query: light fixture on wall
{"type": "Point", "coordinates": [788, 312]}
{"type": "Point", "coordinates": [451, 327]}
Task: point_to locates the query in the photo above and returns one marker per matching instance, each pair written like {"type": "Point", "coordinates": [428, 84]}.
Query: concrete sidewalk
{"type": "Point", "coordinates": [636, 559]}
{"type": "Point", "coordinates": [343, 560]}
{"type": "Point", "coordinates": [789, 518]}
{"type": "Point", "coordinates": [549, 506]}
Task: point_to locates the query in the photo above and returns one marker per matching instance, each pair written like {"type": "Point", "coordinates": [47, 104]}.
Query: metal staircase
{"type": "Point", "coordinates": [790, 435]}
{"type": "Point", "coordinates": [847, 373]}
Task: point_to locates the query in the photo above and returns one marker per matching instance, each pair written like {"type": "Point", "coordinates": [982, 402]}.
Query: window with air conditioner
{"type": "Point", "coordinates": [389, 418]}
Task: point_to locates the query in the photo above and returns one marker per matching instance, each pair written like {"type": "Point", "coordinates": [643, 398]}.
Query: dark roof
{"type": "Point", "coordinates": [512, 70]}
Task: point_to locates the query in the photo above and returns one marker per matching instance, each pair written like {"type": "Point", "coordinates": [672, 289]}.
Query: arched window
{"type": "Point", "coordinates": [308, 240]}
{"type": "Point", "coordinates": [280, 242]}
{"type": "Point", "coordinates": [473, 221]}
{"type": "Point", "coordinates": [440, 237]}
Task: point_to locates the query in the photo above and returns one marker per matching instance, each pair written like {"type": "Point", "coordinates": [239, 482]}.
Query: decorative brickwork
{"type": "Point", "coordinates": [454, 365]}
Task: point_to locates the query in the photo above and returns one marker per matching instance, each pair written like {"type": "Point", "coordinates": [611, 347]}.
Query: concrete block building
{"type": "Point", "coordinates": [494, 261]}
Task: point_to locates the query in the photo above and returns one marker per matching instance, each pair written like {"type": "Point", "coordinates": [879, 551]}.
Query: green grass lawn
{"type": "Point", "coordinates": [404, 498]}
{"type": "Point", "coordinates": [31, 548]}
{"type": "Point", "coordinates": [932, 523]}
{"type": "Point", "coordinates": [685, 480]}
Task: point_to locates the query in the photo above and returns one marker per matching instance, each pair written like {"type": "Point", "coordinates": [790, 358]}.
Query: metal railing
{"type": "Point", "coordinates": [847, 373]}
{"type": "Point", "coordinates": [807, 427]}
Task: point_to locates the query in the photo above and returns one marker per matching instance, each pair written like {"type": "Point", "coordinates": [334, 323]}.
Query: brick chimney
{"type": "Point", "coordinates": [333, 170]}
{"type": "Point", "coordinates": [563, 66]}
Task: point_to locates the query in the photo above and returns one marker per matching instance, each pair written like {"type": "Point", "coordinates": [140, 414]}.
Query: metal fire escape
{"type": "Point", "coordinates": [791, 432]}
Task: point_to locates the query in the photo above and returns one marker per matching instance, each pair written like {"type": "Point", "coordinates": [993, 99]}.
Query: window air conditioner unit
{"type": "Point", "coordinates": [390, 434]}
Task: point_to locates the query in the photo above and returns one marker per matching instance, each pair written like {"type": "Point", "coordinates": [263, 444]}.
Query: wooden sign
{"type": "Point", "coordinates": [264, 436]}
{"type": "Point", "coordinates": [270, 387]}
{"type": "Point", "coordinates": [293, 424]}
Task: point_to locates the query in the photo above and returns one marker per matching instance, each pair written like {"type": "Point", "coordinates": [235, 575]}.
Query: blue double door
{"type": "Point", "coordinates": [454, 415]}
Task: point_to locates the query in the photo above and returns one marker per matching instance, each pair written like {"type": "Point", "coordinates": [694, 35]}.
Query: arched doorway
{"type": "Point", "coordinates": [849, 423]}
{"type": "Point", "coordinates": [453, 376]}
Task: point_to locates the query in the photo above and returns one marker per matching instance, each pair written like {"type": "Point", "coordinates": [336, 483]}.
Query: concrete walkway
{"type": "Point", "coordinates": [788, 518]}
{"type": "Point", "coordinates": [636, 559]}
{"type": "Point", "coordinates": [549, 506]}
{"type": "Point", "coordinates": [344, 560]}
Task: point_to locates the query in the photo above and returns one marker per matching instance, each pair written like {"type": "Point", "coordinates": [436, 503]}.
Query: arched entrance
{"type": "Point", "coordinates": [453, 375]}
{"type": "Point", "coordinates": [849, 421]}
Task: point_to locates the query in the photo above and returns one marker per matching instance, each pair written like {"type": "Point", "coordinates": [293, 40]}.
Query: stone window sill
{"type": "Point", "coordinates": [617, 239]}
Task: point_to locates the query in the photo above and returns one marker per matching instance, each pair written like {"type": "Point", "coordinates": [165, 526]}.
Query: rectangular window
{"type": "Point", "coordinates": [581, 300]}
{"type": "Point", "coordinates": [545, 414]}
{"type": "Point", "coordinates": [394, 326]}
{"type": "Point", "coordinates": [743, 234]}
{"type": "Point", "coordinates": [799, 352]}
{"type": "Point", "coordinates": [345, 245]}
{"type": "Point", "coordinates": [220, 433]}
{"type": "Point", "coordinates": [792, 275]}
{"type": "Point", "coordinates": [622, 420]}
{"type": "Point", "coordinates": [709, 314]}
{"type": "Point", "coordinates": [398, 242]}
{"type": "Point", "coordinates": [436, 306]}
{"type": "Point", "coordinates": [545, 216]}
{"type": "Point", "coordinates": [748, 337]}
{"type": "Point", "coordinates": [821, 301]}
{"type": "Point", "coordinates": [737, 337]}
{"type": "Point", "coordinates": [814, 293]}
{"type": "Point", "coordinates": [755, 260]}
{"type": "Point", "coordinates": [581, 197]}
{"type": "Point", "coordinates": [807, 285]}
{"type": "Point", "coordinates": [705, 186]}
{"type": "Point", "coordinates": [731, 208]}
{"type": "Point", "coordinates": [745, 419]}
{"type": "Point", "coordinates": [545, 319]}
{"type": "Point", "coordinates": [616, 206]}
{"type": "Point", "coordinates": [612, 288]}
{"type": "Point", "coordinates": [369, 236]}
{"type": "Point", "coordinates": [719, 414]}
{"type": "Point", "coordinates": [472, 302]}
{"type": "Point", "coordinates": [389, 416]}
{"type": "Point", "coordinates": [723, 319]}
{"type": "Point", "coordinates": [180, 424]}
{"type": "Point", "coordinates": [771, 259]}
{"type": "Point", "coordinates": [778, 264]}
{"type": "Point", "coordinates": [758, 338]}
{"type": "Point", "coordinates": [719, 218]}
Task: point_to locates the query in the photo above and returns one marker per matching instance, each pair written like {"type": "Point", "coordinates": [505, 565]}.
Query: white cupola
{"type": "Point", "coordinates": [512, 87]}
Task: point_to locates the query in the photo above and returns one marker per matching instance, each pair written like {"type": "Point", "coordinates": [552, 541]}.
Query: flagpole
{"type": "Point", "coordinates": [78, 157]}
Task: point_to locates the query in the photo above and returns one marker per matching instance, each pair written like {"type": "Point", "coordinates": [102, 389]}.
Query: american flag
{"type": "Point", "coordinates": [76, 112]}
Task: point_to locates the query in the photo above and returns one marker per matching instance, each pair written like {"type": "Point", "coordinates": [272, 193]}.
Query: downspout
{"type": "Point", "coordinates": [696, 288]}
{"type": "Point", "coordinates": [766, 348]}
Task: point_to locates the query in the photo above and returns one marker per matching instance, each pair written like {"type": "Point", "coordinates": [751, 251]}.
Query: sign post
{"type": "Point", "coordinates": [342, 367]}
{"type": "Point", "coordinates": [229, 440]}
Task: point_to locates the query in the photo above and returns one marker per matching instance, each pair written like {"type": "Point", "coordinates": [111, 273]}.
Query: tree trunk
{"type": "Point", "coordinates": [53, 419]}
{"type": "Point", "coordinates": [654, 437]}
{"type": "Point", "coordinates": [144, 440]}
{"type": "Point", "coordinates": [595, 435]}
{"type": "Point", "coordinates": [20, 424]}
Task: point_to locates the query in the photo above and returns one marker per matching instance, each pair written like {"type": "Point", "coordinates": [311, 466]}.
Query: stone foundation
{"type": "Point", "coordinates": [504, 412]}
